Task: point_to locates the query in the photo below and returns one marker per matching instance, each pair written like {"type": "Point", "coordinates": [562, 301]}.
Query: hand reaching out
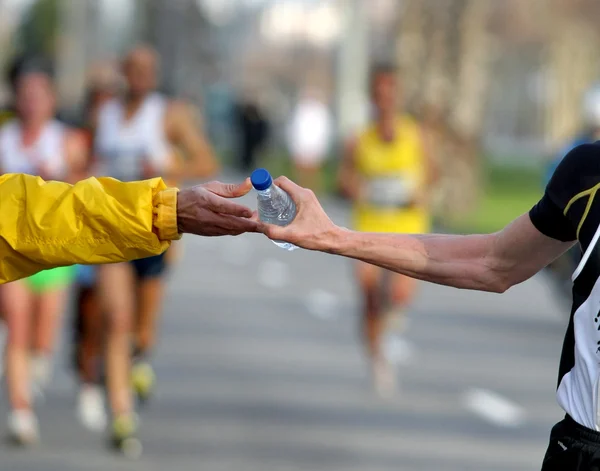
{"type": "Point", "coordinates": [206, 210]}
{"type": "Point", "coordinates": [311, 228]}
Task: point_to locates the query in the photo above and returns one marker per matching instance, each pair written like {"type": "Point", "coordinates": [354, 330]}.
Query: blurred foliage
{"type": "Point", "coordinates": [507, 193]}
{"type": "Point", "coordinates": [38, 32]}
{"type": "Point", "coordinates": [279, 163]}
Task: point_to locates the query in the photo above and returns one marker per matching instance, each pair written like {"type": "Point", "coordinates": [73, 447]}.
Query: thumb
{"type": "Point", "coordinates": [229, 190]}
{"type": "Point", "coordinates": [270, 230]}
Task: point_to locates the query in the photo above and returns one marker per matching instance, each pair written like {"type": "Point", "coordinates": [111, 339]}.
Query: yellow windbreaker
{"type": "Point", "coordinates": [98, 220]}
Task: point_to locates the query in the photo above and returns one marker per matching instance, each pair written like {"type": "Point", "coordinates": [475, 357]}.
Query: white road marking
{"type": "Point", "coordinates": [494, 408]}
{"type": "Point", "coordinates": [273, 274]}
{"type": "Point", "coordinates": [323, 305]}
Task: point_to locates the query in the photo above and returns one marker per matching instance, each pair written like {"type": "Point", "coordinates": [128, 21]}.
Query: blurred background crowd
{"type": "Point", "coordinates": [499, 85]}
{"type": "Point", "coordinates": [500, 91]}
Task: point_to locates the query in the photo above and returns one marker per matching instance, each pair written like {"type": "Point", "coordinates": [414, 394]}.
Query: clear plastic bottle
{"type": "Point", "coordinates": [275, 206]}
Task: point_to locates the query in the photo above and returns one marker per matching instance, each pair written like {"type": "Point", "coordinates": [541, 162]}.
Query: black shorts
{"type": "Point", "coordinates": [573, 447]}
{"type": "Point", "coordinates": [151, 267]}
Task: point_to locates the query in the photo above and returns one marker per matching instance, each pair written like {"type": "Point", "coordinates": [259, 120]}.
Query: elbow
{"type": "Point", "coordinates": [498, 282]}
{"type": "Point", "coordinates": [499, 287]}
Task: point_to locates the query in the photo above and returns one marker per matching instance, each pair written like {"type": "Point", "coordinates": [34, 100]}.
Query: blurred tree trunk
{"type": "Point", "coordinates": [444, 48]}
{"type": "Point", "coordinates": [181, 35]}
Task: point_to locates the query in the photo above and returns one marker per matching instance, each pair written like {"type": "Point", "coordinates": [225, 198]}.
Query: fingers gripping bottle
{"type": "Point", "coordinates": [275, 206]}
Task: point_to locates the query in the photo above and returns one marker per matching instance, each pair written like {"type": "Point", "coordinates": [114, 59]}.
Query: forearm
{"type": "Point", "coordinates": [452, 260]}
{"type": "Point", "coordinates": [490, 262]}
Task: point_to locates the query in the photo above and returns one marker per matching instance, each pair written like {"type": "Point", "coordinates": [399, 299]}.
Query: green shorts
{"type": "Point", "coordinates": [48, 280]}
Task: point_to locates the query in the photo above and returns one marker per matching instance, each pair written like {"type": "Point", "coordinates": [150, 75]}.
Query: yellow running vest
{"type": "Point", "coordinates": [394, 174]}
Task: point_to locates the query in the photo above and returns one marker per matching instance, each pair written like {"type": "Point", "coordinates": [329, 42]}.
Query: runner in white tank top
{"type": "Point", "coordinates": [43, 157]}
{"type": "Point", "coordinates": [36, 144]}
{"type": "Point", "coordinates": [132, 149]}
{"type": "Point", "coordinates": [139, 136]}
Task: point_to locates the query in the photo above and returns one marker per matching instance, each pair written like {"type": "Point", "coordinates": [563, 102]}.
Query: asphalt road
{"type": "Point", "coordinates": [260, 369]}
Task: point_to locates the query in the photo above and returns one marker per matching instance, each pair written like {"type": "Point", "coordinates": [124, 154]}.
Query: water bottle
{"type": "Point", "coordinates": [275, 206]}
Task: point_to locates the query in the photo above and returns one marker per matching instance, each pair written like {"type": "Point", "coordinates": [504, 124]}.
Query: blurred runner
{"type": "Point", "coordinates": [141, 135]}
{"type": "Point", "coordinates": [252, 129]}
{"type": "Point", "coordinates": [309, 137]}
{"type": "Point", "coordinates": [35, 143]}
{"type": "Point", "coordinates": [385, 173]}
{"type": "Point", "coordinates": [88, 329]}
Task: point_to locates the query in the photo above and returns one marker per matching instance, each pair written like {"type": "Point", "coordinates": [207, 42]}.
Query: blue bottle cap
{"type": "Point", "coordinates": [261, 179]}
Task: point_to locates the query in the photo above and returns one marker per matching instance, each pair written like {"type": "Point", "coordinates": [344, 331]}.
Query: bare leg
{"type": "Point", "coordinates": [49, 307]}
{"type": "Point", "coordinates": [91, 339]}
{"type": "Point", "coordinates": [368, 277]}
{"type": "Point", "coordinates": [116, 289]}
{"type": "Point", "coordinates": [174, 254]}
{"type": "Point", "coordinates": [150, 296]}
{"type": "Point", "coordinates": [16, 304]}
{"type": "Point", "coordinates": [402, 290]}
{"type": "Point", "coordinates": [89, 348]}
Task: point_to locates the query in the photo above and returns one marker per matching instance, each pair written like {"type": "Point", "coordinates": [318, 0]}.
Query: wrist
{"type": "Point", "coordinates": [165, 214]}
{"type": "Point", "coordinates": [337, 240]}
{"type": "Point", "coordinates": [178, 212]}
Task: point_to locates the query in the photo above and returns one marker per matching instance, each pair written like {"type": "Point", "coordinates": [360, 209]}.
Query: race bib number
{"type": "Point", "coordinates": [395, 191]}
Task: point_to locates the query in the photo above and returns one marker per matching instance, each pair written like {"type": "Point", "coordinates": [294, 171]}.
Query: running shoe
{"type": "Point", "coordinates": [123, 436]}
{"type": "Point", "coordinates": [23, 427]}
{"type": "Point", "coordinates": [90, 408]}
{"type": "Point", "coordinates": [143, 380]}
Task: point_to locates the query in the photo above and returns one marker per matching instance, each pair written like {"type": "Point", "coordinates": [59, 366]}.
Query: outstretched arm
{"type": "Point", "coordinates": [568, 211]}
{"type": "Point", "coordinates": [49, 224]}
{"type": "Point", "coordinates": [491, 262]}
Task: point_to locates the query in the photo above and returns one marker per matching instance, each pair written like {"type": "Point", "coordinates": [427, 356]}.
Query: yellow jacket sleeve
{"type": "Point", "coordinates": [98, 220]}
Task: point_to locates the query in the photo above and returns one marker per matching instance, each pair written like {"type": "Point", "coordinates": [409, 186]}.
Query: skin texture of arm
{"type": "Point", "coordinates": [490, 262]}
{"type": "Point", "coordinates": [184, 132]}
{"type": "Point", "coordinates": [487, 262]}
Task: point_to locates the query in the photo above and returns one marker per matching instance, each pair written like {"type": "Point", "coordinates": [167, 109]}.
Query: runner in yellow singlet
{"type": "Point", "coordinates": [385, 173]}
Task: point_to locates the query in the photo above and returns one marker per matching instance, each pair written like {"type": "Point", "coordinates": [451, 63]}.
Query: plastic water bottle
{"type": "Point", "coordinates": [275, 206]}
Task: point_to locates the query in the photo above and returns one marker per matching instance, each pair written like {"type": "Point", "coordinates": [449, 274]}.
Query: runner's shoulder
{"type": "Point", "coordinates": [580, 168]}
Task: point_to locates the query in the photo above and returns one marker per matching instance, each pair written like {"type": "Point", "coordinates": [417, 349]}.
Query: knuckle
{"type": "Point", "coordinates": [309, 195]}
